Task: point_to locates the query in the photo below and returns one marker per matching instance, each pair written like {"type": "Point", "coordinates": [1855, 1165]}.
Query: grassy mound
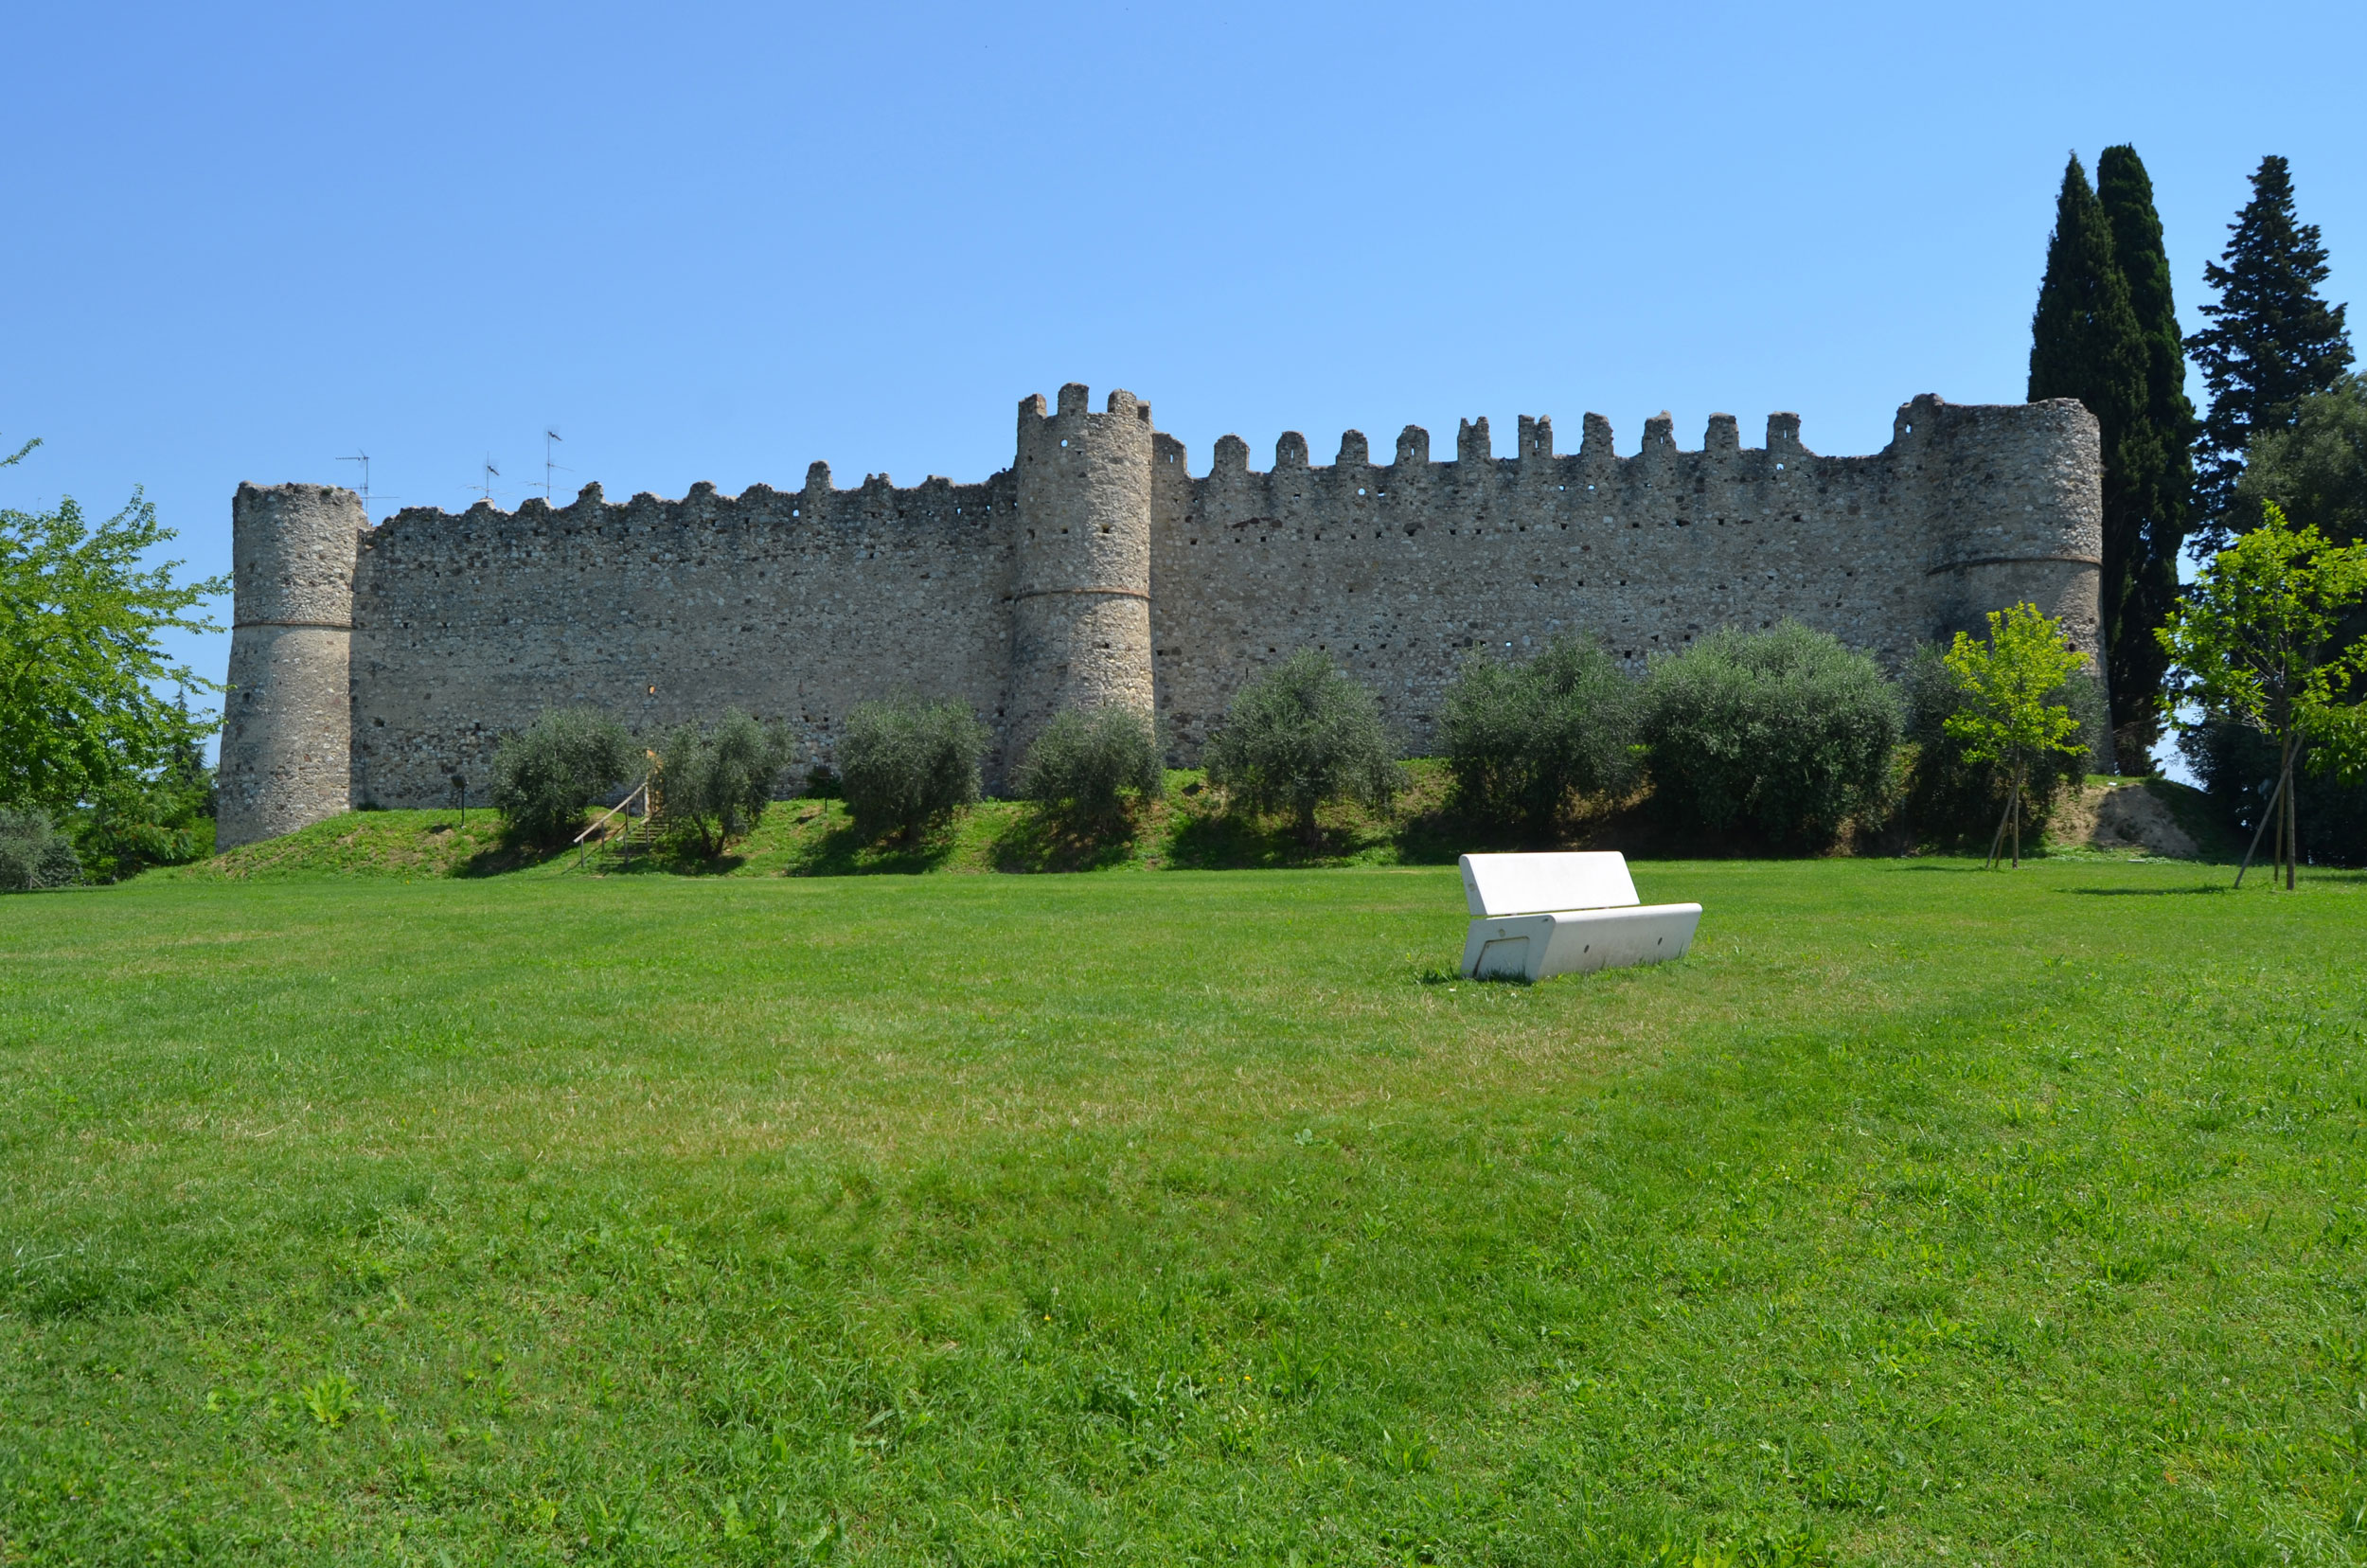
{"type": "Point", "coordinates": [1921, 1215]}
{"type": "Point", "coordinates": [1184, 830]}
{"type": "Point", "coordinates": [405, 845]}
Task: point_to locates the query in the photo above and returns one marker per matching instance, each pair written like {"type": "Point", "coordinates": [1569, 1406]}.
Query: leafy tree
{"type": "Point", "coordinates": [79, 715]}
{"type": "Point", "coordinates": [2316, 469]}
{"type": "Point", "coordinates": [713, 784]}
{"type": "Point", "coordinates": [906, 763]}
{"type": "Point", "coordinates": [2008, 718]}
{"type": "Point", "coordinates": [546, 774]}
{"type": "Point", "coordinates": [33, 854]}
{"type": "Point", "coordinates": [1787, 732]}
{"type": "Point", "coordinates": [1085, 764]}
{"type": "Point", "coordinates": [1304, 734]}
{"type": "Point", "coordinates": [1950, 796]}
{"type": "Point", "coordinates": [2085, 343]}
{"type": "Point", "coordinates": [2159, 488]}
{"type": "Point", "coordinates": [2272, 341]}
{"type": "Point", "coordinates": [1523, 737]}
{"type": "Point", "coordinates": [2256, 642]}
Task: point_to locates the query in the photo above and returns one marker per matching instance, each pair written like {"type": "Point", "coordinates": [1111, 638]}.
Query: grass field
{"type": "Point", "coordinates": [1921, 1216]}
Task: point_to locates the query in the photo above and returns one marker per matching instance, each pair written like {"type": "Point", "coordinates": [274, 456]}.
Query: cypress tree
{"type": "Point", "coordinates": [2085, 344]}
{"type": "Point", "coordinates": [2272, 341]}
{"type": "Point", "coordinates": [2161, 486]}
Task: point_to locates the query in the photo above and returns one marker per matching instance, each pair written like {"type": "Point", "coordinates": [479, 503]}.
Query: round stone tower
{"type": "Point", "coordinates": [1080, 578]}
{"type": "Point", "coordinates": [287, 737]}
{"type": "Point", "coordinates": [2012, 500]}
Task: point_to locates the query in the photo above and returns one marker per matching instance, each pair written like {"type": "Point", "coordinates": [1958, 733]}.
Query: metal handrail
{"type": "Point", "coordinates": [641, 788]}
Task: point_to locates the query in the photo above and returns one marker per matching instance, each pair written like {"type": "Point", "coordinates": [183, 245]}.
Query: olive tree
{"type": "Point", "coordinates": [713, 783]}
{"type": "Point", "coordinates": [907, 763]}
{"type": "Point", "coordinates": [1525, 735]}
{"type": "Point", "coordinates": [546, 774]}
{"type": "Point", "coordinates": [1785, 731]}
{"type": "Point", "coordinates": [1303, 734]}
{"type": "Point", "coordinates": [1086, 764]}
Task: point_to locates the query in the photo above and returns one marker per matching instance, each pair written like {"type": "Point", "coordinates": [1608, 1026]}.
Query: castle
{"type": "Point", "coordinates": [368, 665]}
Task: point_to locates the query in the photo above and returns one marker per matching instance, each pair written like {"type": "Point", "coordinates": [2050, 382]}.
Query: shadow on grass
{"type": "Point", "coordinates": [845, 851]}
{"type": "Point", "coordinates": [2208, 888]}
{"type": "Point", "coordinates": [508, 854]}
{"type": "Point", "coordinates": [1041, 841]}
{"type": "Point", "coordinates": [1438, 976]}
{"type": "Point", "coordinates": [673, 860]}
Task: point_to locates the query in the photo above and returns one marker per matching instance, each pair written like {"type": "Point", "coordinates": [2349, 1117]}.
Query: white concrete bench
{"type": "Point", "coordinates": [1536, 916]}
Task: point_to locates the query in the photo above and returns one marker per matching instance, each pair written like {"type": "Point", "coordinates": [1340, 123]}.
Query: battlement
{"type": "Point", "coordinates": [936, 505]}
{"type": "Point", "coordinates": [1076, 400]}
{"type": "Point", "coordinates": [1533, 450]}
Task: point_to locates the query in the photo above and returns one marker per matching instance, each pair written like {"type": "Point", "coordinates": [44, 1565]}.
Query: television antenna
{"type": "Point", "coordinates": [484, 486]}
{"type": "Point", "coordinates": [548, 436]}
{"type": "Point", "coordinates": [363, 458]}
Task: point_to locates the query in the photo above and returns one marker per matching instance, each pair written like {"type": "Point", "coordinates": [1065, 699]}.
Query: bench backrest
{"type": "Point", "coordinates": [1539, 885]}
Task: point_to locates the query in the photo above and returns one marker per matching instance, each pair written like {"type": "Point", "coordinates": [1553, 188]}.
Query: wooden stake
{"type": "Point", "coordinates": [2266, 817]}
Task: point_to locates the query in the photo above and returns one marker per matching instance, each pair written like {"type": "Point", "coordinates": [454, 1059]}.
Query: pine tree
{"type": "Point", "coordinates": [2272, 341]}
{"type": "Point", "coordinates": [2160, 484]}
{"type": "Point", "coordinates": [2085, 343]}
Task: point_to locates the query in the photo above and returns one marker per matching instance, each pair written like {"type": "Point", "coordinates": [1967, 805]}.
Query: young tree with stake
{"type": "Point", "coordinates": [2254, 641]}
{"type": "Point", "coordinates": [2007, 719]}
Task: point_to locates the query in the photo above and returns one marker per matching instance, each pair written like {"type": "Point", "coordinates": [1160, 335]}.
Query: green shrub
{"type": "Point", "coordinates": [1784, 732]}
{"type": "Point", "coordinates": [1523, 737]}
{"type": "Point", "coordinates": [713, 784]}
{"type": "Point", "coordinates": [1952, 802]}
{"type": "Point", "coordinates": [34, 855]}
{"type": "Point", "coordinates": [546, 774]}
{"type": "Point", "coordinates": [907, 763]}
{"type": "Point", "coordinates": [1301, 735]}
{"type": "Point", "coordinates": [1084, 764]}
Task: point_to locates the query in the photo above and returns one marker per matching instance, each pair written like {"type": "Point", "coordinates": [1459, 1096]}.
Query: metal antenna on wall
{"type": "Point", "coordinates": [363, 458]}
{"type": "Point", "coordinates": [491, 474]}
{"type": "Point", "coordinates": [548, 436]}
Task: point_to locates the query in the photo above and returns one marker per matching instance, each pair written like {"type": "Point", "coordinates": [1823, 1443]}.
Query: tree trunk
{"type": "Point", "coordinates": [2293, 825]}
{"type": "Point", "coordinates": [2015, 809]}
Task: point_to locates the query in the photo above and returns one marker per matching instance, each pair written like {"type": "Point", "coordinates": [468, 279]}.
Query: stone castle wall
{"type": "Point", "coordinates": [790, 605]}
{"type": "Point", "coordinates": [1097, 570]}
{"type": "Point", "coordinates": [1398, 569]}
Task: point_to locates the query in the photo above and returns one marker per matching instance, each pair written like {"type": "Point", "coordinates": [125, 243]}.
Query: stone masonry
{"type": "Point", "coordinates": [1097, 570]}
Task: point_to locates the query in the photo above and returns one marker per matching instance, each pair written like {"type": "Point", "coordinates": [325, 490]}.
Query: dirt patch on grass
{"type": "Point", "coordinates": [2121, 817]}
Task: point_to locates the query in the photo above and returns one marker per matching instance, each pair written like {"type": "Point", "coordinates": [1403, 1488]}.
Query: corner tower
{"type": "Point", "coordinates": [2013, 505]}
{"type": "Point", "coordinates": [287, 737]}
{"type": "Point", "coordinates": [1080, 577]}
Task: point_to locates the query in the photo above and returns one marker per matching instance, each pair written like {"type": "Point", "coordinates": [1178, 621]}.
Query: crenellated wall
{"type": "Point", "coordinates": [1098, 570]}
{"type": "Point", "coordinates": [794, 605]}
{"type": "Point", "coordinates": [1398, 568]}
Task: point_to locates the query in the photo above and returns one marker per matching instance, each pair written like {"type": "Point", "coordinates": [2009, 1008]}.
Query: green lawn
{"type": "Point", "coordinates": [1921, 1216]}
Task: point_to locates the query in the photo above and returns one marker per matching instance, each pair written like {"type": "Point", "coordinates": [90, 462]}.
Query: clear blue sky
{"type": "Point", "coordinates": [720, 242]}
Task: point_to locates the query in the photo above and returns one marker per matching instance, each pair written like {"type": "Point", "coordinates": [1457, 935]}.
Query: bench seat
{"type": "Point", "coordinates": [1540, 916]}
